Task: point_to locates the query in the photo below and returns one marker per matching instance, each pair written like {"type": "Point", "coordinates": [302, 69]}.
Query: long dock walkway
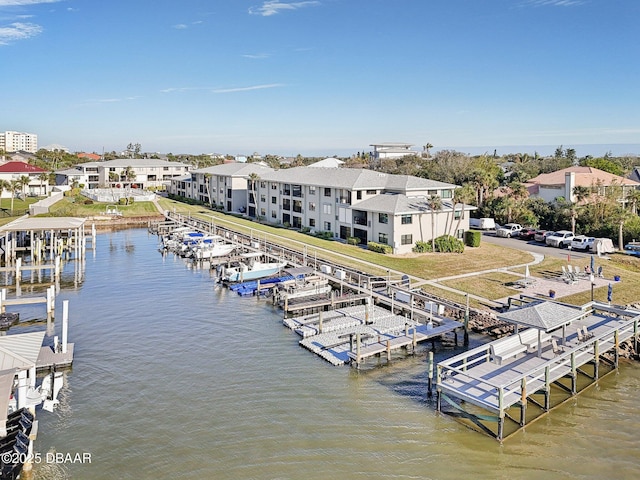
{"type": "Point", "coordinates": [497, 385]}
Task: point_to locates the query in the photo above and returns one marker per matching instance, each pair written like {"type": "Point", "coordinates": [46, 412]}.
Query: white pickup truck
{"type": "Point", "coordinates": [509, 230]}
{"type": "Point", "coordinates": [560, 239]}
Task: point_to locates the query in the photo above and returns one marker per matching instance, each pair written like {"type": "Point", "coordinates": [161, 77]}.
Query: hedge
{"type": "Point", "coordinates": [379, 247]}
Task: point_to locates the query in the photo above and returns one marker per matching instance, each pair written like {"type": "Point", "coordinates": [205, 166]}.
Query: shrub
{"type": "Point", "coordinates": [88, 201]}
{"type": "Point", "coordinates": [472, 238]}
{"type": "Point", "coordinates": [353, 240]}
{"type": "Point", "coordinates": [422, 247]}
{"type": "Point", "coordinates": [379, 247]}
{"type": "Point", "coordinates": [449, 244]}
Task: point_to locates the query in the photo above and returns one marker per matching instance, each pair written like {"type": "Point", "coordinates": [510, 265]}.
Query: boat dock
{"type": "Point", "coordinates": [356, 333]}
{"type": "Point", "coordinates": [505, 376]}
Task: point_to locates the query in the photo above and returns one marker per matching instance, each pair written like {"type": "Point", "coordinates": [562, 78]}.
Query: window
{"type": "Point", "coordinates": [312, 222]}
{"type": "Point", "coordinates": [274, 186]}
{"type": "Point", "coordinates": [274, 200]}
{"type": "Point", "coordinates": [296, 190]}
{"type": "Point", "coordinates": [312, 206]}
{"type": "Point", "coordinates": [274, 214]}
{"type": "Point", "coordinates": [312, 190]}
{"type": "Point", "coordinates": [286, 204]}
{"type": "Point", "coordinates": [359, 195]}
{"type": "Point", "coordinates": [371, 192]}
{"type": "Point", "coordinates": [457, 215]}
{"type": "Point", "coordinates": [263, 198]}
{"type": "Point", "coordinates": [446, 194]}
{"type": "Point", "coordinates": [263, 212]}
{"type": "Point", "coordinates": [326, 208]}
{"type": "Point", "coordinates": [263, 184]}
{"type": "Point", "coordinates": [327, 192]}
{"type": "Point", "coordinates": [406, 219]}
{"type": "Point", "coordinates": [406, 239]}
{"type": "Point", "coordinates": [286, 189]}
{"type": "Point", "coordinates": [383, 218]}
{"type": "Point", "coordinates": [383, 238]}
{"type": "Point", "coordinates": [327, 226]}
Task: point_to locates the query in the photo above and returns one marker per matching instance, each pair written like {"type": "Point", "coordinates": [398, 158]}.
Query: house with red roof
{"type": "Point", "coordinates": [561, 183]}
{"type": "Point", "coordinates": [38, 178]}
{"type": "Point", "coordinates": [89, 156]}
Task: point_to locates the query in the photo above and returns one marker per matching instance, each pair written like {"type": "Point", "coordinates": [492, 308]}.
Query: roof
{"type": "Point", "coordinates": [542, 315]}
{"type": "Point", "coordinates": [353, 179]}
{"type": "Point", "coordinates": [236, 169]}
{"type": "Point", "coordinates": [91, 156]}
{"type": "Point", "coordinates": [328, 163]}
{"type": "Point", "coordinates": [584, 177]}
{"type": "Point", "coordinates": [43, 223]}
{"type": "Point", "coordinates": [134, 163]}
{"type": "Point", "coordinates": [20, 351]}
{"type": "Point", "coordinates": [399, 204]}
{"type": "Point", "coordinates": [20, 167]}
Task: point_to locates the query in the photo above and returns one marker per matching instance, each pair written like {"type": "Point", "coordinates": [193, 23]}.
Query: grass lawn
{"type": "Point", "coordinates": [73, 207]}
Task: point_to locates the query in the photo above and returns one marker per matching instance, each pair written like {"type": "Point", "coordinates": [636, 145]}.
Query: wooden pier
{"type": "Point", "coordinates": [581, 348]}
{"type": "Point", "coordinates": [357, 333]}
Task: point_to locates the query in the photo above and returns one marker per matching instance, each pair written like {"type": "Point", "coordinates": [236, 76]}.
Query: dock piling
{"type": "Point", "coordinates": [430, 375]}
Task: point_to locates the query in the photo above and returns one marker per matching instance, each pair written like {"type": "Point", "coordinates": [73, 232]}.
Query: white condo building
{"type": "Point", "coordinates": [18, 141]}
{"type": "Point", "coordinates": [372, 206]}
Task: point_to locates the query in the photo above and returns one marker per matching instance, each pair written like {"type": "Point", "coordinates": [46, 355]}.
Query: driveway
{"type": "Point", "coordinates": [532, 246]}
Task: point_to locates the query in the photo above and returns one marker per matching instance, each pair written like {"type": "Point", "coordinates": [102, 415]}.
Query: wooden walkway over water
{"type": "Point", "coordinates": [544, 377]}
{"type": "Point", "coordinates": [357, 333]}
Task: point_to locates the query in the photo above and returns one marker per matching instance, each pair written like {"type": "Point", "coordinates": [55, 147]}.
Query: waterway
{"type": "Point", "coordinates": [176, 377]}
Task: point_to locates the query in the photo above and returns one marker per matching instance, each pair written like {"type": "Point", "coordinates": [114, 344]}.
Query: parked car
{"type": "Point", "coordinates": [509, 230]}
{"type": "Point", "coordinates": [582, 242]}
{"type": "Point", "coordinates": [541, 235]}
{"type": "Point", "coordinates": [560, 239]}
{"type": "Point", "coordinates": [527, 233]}
{"type": "Point", "coordinates": [632, 248]}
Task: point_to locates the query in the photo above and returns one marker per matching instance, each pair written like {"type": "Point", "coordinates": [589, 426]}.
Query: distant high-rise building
{"type": "Point", "coordinates": [17, 141]}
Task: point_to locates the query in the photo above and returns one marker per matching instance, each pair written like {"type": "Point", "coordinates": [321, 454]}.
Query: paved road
{"type": "Point", "coordinates": [531, 246]}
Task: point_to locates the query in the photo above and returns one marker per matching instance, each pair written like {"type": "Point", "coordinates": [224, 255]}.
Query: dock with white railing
{"type": "Point", "coordinates": [544, 374]}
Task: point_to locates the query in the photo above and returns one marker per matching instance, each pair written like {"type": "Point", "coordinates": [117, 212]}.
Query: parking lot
{"type": "Point", "coordinates": [532, 246]}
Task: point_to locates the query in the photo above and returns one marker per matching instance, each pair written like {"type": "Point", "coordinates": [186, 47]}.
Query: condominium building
{"type": "Point", "coordinates": [18, 141]}
{"type": "Point", "coordinates": [369, 205]}
{"type": "Point", "coordinates": [146, 173]}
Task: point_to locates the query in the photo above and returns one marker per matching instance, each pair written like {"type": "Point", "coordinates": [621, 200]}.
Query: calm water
{"type": "Point", "coordinates": [176, 377]}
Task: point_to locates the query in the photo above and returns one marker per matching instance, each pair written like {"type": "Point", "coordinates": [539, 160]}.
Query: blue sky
{"type": "Point", "coordinates": [321, 77]}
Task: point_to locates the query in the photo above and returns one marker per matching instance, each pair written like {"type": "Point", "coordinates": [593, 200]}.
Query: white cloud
{"type": "Point", "coordinates": [553, 3]}
{"type": "Point", "coordinates": [180, 26]}
{"type": "Point", "coordinates": [246, 89]}
{"type": "Point", "coordinates": [272, 7]}
{"type": "Point", "coordinates": [18, 31]}
{"type": "Point", "coordinates": [17, 3]}
{"type": "Point", "coordinates": [256, 55]}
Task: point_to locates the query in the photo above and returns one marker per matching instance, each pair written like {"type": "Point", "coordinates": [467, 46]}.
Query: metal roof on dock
{"type": "Point", "coordinates": [43, 223]}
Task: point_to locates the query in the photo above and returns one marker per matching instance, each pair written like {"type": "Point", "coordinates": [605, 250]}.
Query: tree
{"type": "Point", "coordinates": [4, 185]}
{"type": "Point", "coordinates": [426, 149]}
{"type": "Point", "coordinates": [435, 203]}
{"type": "Point", "coordinates": [24, 180]}
{"type": "Point", "coordinates": [462, 196]}
{"type": "Point", "coordinates": [207, 183]}
{"type": "Point", "coordinates": [129, 176]}
{"type": "Point", "coordinates": [43, 177]}
{"type": "Point", "coordinates": [14, 186]}
{"type": "Point", "coordinates": [253, 179]}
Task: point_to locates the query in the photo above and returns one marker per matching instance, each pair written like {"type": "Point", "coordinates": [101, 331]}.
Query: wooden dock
{"type": "Point", "coordinates": [568, 362]}
{"type": "Point", "coordinates": [354, 334]}
{"type": "Point", "coordinates": [50, 359]}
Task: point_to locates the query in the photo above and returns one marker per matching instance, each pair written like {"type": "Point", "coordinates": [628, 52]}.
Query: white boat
{"type": "Point", "coordinates": [210, 247]}
{"type": "Point", "coordinates": [251, 268]}
{"type": "Point", "coordinates": [302, 287]}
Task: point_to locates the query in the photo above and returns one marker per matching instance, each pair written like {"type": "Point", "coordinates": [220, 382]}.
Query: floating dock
{"type": "Point", "coordinates": [504, 377]}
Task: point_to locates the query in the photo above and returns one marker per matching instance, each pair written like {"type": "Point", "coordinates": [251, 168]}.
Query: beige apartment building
{"type": "Point", "coordinates": [372, 206]}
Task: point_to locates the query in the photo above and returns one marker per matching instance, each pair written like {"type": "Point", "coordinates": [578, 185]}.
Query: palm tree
{"type": "Point", "coordinates": [4, 185]}
{"type": "Point", "coordinates": [14, 185]}
{"type": "Point", "coordinates": [43, 177]}
{"type": "Point", "coordinates": [207, 184]}
{"type": "Point", "coordinates": [426, 149]}
{"type": "Point", "coordinates": [253, 179]}
{"type": "Point", "coordinates": [129, 175]}
{"type": "Point", "coordinates": [24, 180]}
{"type": "Point", "coordinates": [462, 195]}
{"type": "Point", "coordinates": [435, 203]}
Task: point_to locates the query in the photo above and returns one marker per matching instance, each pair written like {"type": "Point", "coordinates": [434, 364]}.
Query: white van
{"type": "Point", "coordinates": [482, 223]}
